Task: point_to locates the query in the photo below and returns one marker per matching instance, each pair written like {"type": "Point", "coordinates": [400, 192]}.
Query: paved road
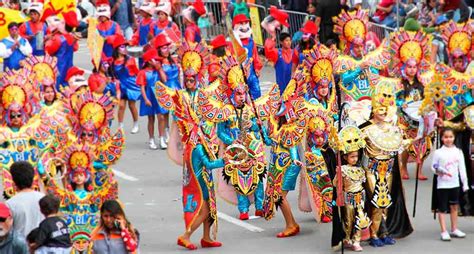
{"type": "Point", "coordinates": [150, 187]}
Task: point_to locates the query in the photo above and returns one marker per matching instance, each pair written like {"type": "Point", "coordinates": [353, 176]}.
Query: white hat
{"type": "Point", "coordinates": [164, 6]}
{"type": "Point", "coordinates": [35, 6]}
{"type": "Point", "coordinates": [103, 10]}
{"type": "Point", "coordinates": [148, 7]}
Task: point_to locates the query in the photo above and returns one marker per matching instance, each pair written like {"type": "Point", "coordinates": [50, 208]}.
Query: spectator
{"type": "Point", "coordinates": [13, 49]}
{"type": "Point", "coordinates": [429, 13]}
{"type": "Point", "coordinates": [386, 13]}
{"type": "Point", "coordinates": [325, 10]}
{"type": "Point", "coordinates": [122, 13]}
{"type": "Point", "coordinates": [296, 5]}
{"type": "Point", "coordinates": [52, 235]}
{"type": "Point", "coordinates": [10, 241]}
{"type": "Point", "coordinates": [115, 234]}
{"type": "Point", "coordinates": [311, 11]}
{"type": "Point", "coordinates": [438, 48]}
{"type": "Point", "coordinates": [237, 7]}
{"type": "Point", "coordinates": [24, 206]}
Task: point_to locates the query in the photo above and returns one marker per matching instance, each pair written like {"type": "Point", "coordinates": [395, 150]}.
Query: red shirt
{"type": "Point", "coordinates": [384, 3]}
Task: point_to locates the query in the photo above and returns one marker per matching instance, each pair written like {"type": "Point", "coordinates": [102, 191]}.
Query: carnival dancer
{"type": "Point", "coordinates": [106, 27]}
{"type": "Point", "coordinates": [380, 162]}
{"type": "Point", "coordinates": [410, 68]}
{"type": "Point", "coordinates": [85, 191]}
{"type": "Point", "coordinates": [220, 49]}
{"type": "Point", "coordinates": [170, 75]}
{"type": "Point", "coordinates": [141, 37]}
{"type": "Point", "coordinates": [459, 46]}
{"type": "Point", "coordinates": [48, 92]}
{"type": "Point", "coordinates": [164, 22]}
{"type": "Point", "coordinates": [60, 44]}
{"type": "Point", "coordinates": [101, 81]}
{"type": "Point", "coordinates": [146, 79]}
{"type": "Point", "coordinates": [287, 129]}
{"type": "Point", "coordinates": [243, 33]}
{"type": "Point", "coordinates": [355, 218]}
{"type": "Point", "coordinates": [308, 40]}
{"type": "Point", "coordinates": [14, 49]}
{"type": "Point", "coordinates": [34, 30]}
{"type": "Point", "coordinates": [239, 128]}
{"type": "Point", "coordinates": [191, 14]}
{"type": "Point", "coordinates": [281, 58]}
{"type": "Point", "coordinates": [355, 66]}
{"type": "Point", "coordinates": [126, 70]}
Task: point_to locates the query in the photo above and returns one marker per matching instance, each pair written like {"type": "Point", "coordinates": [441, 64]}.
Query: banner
{"type": "Point", "coordinates": [6, 17]}
{"type": "Point", "coordinates": [256, 28]}
{"type": "Point", "coordinates": [95, 42]}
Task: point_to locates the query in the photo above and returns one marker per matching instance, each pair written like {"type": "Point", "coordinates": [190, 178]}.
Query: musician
{"type": "Point", "coordinates": [14, 48]}
{"type": "Point", "coordinates": [60, 44]}
{"type": "Point", "coordinates": [106, 27]}
{"type": "Point", "coordinates": [34, 29]}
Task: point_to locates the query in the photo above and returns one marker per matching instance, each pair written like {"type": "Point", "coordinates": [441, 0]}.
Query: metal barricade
{"type": "Point", "coordinates": [296, 21]}
{"type": "Point", "coordinates": [381, 31]}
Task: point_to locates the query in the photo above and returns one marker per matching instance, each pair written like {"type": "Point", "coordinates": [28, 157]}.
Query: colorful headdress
{"type": "Point", "coordinates": [383, 96]}
{"type": "Point", "coordinates": [351, 27]}
{"type": "Point", "coordinates": [18, 92]}
{"type": "Point", "coordinates": [319, 62]}
{"type": "Point", "coordinates": [410, 48]}
{"type": "Point", "coordinates": [44, 67]}
{"type": "Point", "coordinates": [458, 39]}
{"type": "Point", "coordinates": [90, 114]}
{"type": "Point", "coordinates": [350, 139]}
{"type": "Point", "coordinates": [79, 159]}
{"type": "Point", "coordinates": [319, 123]}
{"type": "Point", "coordinates": [193, 58]}
{"type": "Point", "coordinates": [232, 74]}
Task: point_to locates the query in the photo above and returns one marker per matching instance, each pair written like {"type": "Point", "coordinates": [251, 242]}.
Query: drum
{"type": "Point", "coordinates": [135, 51]}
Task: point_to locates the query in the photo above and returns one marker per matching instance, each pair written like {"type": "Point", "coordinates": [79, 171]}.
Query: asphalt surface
{"type": "Point", "coordinates": [150, 187]}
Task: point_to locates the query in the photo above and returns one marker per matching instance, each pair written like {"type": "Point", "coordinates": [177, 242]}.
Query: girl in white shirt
{"type": "Point", "coordinates": [449, 167]}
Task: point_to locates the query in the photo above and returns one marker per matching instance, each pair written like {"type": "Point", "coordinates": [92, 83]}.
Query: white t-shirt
{"type": "Point", "coordinates": [25, 209]}
{"type": "Point", "coordinates": [450, 160]}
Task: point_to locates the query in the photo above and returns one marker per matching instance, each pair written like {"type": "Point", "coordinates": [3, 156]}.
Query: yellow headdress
{"type": "Point", "coordinates": [232, 75]}
{"type": "Point", "coordinates": [79, 158]}
{"type": "Point", "coordinates": [383, 96]}
{"type": "Point", "coordinates": [44, 67]}
{"type": "Point", "coordinates": [409, 46]}
{"type": "Point", "coordinates": [319, 62]}
{"type": "Point", "coordinates": [351, 26]}
{"type": "Point", "coordinates": [350, 139]}
{"type": "Point", "coordinates": [457, 38]}
{"type": "Point", "coordinates": [193, 58]}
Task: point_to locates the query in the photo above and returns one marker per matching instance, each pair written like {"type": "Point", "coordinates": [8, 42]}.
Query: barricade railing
{"type": "Point", "coordinates": [381, 31]}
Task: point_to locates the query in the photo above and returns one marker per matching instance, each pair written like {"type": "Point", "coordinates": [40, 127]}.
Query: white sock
{"type": "Point", "coordinates": [120, 125]}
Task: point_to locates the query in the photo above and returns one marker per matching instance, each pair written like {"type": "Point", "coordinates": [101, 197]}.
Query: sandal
{"type": "Point", "coordinates": [293, 231]}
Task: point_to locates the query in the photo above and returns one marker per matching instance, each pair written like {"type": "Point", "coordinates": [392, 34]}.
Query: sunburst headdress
{"type": "Point", "coordinates": [319, 62]}
{"type": "Point", "coordinates": [458, 39]}
{"type": "Point", "coordinates": [410, 48]}
{"type": "Point", "coordinates": [232, 75]}
{"type": "Point", "coordinates": [194, 59]}
{"type": "Point", "coordinates": [79, 159]}
{"type": "Point", "coordinates": [351, 26]}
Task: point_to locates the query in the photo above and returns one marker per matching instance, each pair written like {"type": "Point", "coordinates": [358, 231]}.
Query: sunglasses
{"type": "Point", "coordinates": [191, 80]}
{"type": "Point", "coordinates": [3, 219]}
{"type": "Point", "coordinates": [87, 135]}
{"type": "Point", "coordinates": [13, 116]}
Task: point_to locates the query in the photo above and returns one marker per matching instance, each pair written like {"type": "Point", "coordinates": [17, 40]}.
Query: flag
{"type": "Point", "coordinates": [95, 42]}
{"type": "Point", "coordinates": [6, 17]}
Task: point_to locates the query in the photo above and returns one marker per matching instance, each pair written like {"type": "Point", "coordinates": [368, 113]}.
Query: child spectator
{"type": "Point", "coordinates": [24, 205]}
{"type": "Point", "coordinates": [449, 167]}
{"type": "Point", "coordinates": [52, 235]}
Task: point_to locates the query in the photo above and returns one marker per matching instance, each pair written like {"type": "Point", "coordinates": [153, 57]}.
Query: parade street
{"type": "Point", "coordinates": [150, 187]}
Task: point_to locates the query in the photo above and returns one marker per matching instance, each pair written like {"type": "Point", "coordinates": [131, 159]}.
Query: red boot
{"type": "Point", "coordinates": [244, 216]}
{"type": "Point", "coordinates": [259, 213]}
{"type": "Point", "coordinates": [207, 244]}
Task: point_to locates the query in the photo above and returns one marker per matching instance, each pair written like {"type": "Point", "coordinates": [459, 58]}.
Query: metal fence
{"type": "Point", "coordinates": [214, 22]}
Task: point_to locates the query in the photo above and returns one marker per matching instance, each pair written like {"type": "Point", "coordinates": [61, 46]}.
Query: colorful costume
{"type": "Point", "coordinates": [352, 29]}
{"type": "Point", "coordinates": [240, 130]}
{"type": "Point", "coordinates": [108, 29]}
{"type": "Point", "coordinates": [192, 33]}
{"type": "Point", "coordinates": [126, 71]}
{"type": "Point", "coordinates": [458, 40]}
{"type": "Point", "coordinates": [147, 78]}
{"type": "Point", "coordinates": [243, 32]}
{"type": "Point", "coordinates": [380, 162]}
{"type": "Point", "coordinates": [12, 57]}
{"type": "Point", "coordinates": [35, 30]}
{"type": "Point", "coordinates": [353, 178]}
{"type": "Point", "coordinates": [282, 61]}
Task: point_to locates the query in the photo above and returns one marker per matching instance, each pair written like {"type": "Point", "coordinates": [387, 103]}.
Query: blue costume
{"type": "Point", "coordinates": [282, 72]}
{"type": "Point", "coordinates": [356, 82]}
{"type": "Point", "coordinates": [12, 62]}
{"type": "Point", "coordinates": [65, 56]}
{"type": "Point", "coordinates": [29, 32]}
{"type": "Point", "coordinates": [228, 131]}
{"type": "Point", "coordinates": [108, 48]}
{"type": "Point", "coordinates": [152, 77]}
{"type": "Point", "coordinates": [172, 74]}
{"type": "Point", "coordinates": [128, 86]}
{"type": "Point", "coordinates": [252, 80]}
{"type": "Point", "coordinates": [201, 161]}
{"type": "Point", "coordinates": [143, 31]}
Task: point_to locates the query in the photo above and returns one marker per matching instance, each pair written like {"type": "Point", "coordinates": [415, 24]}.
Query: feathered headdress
{"type": "Point", "coordinates": [410, 48]}
{"type": "Point", "coordinates": [232, 75]}
{"type": "Point", "coordinates": [194, 58]}
{"type": "Point", "coordinates": [319, 62]}
{"type": "Point", "coordinates": [458, 39]}
{"type": "Point", "coordinates": [351, 27]}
